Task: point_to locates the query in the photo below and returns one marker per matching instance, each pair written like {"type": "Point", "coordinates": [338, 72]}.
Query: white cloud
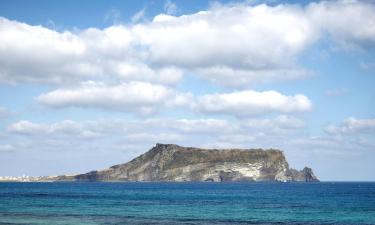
{"type": "Point", "coordinates": [195, 126]}
{"type": "Point", "coordinates": [65, 127]}
{"type": "Point", "coordinates": [349, 23]}
{"type": "Point", "coordinates": [241, 78]}
{"type": "Point", "coordinates": [282, 122]}
{"type": "Point", "coordinates": [170, 8]}
{"type": "Point", "coordinates": [250, 103]}
{"type": "Point", "coordinates": [146, 98]}
{"type": "Point", "coordinates": [6, 148]}
{"type": "Point", "coordinates": [139, 97]}
{"type": "Point", "coordinates": [26, 127]}
{"type": "Point", "coordinates": [159, 127]}
{"type": "Point", "coordinates": [153, 130]}
{"type": "Point", "coordinates": [236, 139]}
{"type": "Point", "coordinates": [34, 53]}
{"type": "Point", "coordinates": [66, 57]}
{"type": "Point", "coordinates": [352, 126]}
{"type": "Point", "coordinates": [251, 39]}
{"type": "Point", "coordinates": [249, 43]}
{"type": "Point", "coordinates": [138, 15]}
{"type": "Point", "coordinates": [142, 72]}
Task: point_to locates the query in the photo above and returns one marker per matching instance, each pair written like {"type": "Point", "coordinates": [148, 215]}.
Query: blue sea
{"type": "Point", "coordinates": [187, 203]}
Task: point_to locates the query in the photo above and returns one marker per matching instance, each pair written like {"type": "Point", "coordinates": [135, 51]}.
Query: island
{"type": "Point", "coordinates": [174, 163]}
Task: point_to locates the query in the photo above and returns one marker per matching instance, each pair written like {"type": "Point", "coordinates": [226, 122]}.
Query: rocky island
{"type": "Point", "coordinates": [173, 163]}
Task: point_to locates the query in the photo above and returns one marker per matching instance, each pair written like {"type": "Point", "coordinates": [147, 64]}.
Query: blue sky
{"type": "Point", "coordinates": [85, 85]}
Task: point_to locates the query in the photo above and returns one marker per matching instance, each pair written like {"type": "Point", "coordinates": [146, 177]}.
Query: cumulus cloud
{"type": "Point", "coordinates": [26, 127]}
{"type": "Point", "coordinates": [139, 97]}
{"type": "Point", "coordinates": [250, 39]}
{"type": "Point", "coordinates": [132, 128]}
{"type": "Point", "coordinates": [65, 127]}
{"type": "Point", "coordinates": [352, 126]}
{"type": "Point", "coordinates": [349, 23]}
{"type": "Point", "coordinates": [250, 103]}
{"type": "Point", "coordinates": [147, 98]}
{"type": "Point", "coordinates": [40, 55]}
{"type": "Point", "coordinates": [249, 43]}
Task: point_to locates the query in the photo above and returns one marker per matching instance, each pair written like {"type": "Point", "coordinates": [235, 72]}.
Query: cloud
{"type": "Point", "coordinates": [195, 126]}
{"type": "Point", "coordinates": [284, 132]}
{"type": "Point", "coordinates": [252, 103]}
{"type": "Point", "coordinates": [249, 43]}
{"type": "Point", "coordinates": [6, 148]}
{"type": "Point", "coordinates": [350, 24]}
{"type": "Point", "coordinates": [170, 8]}
{"type": "Point", "coordinates": [118, 141]}
{"type": "Point", "coordinates": [281, 122]}
{"type": "Point", "coordinates": [336, 92]}
{"type": "Point", "coordinates": [207, 126]}
{"type": "Point", "coordinates": [146, 98]}
{"type": "Point", "coordinates": [65, 127]}
{"type": "Point", "coordinates": [138, 97]}
{"type": "Point", "coordinates": [152, 138]}
{"type": "Point", "coordinates": [105, 132]}
{"type": "Point", "coordinates": [166, 127]}
{"type": "Point", "coordinates": [59, 54]}
{"type": "Point", "coordinates": [122, 139]}
{"type": "Point", "coordinates": [230, 38]}
{"type": "Point", "coordinates": [4, 112]}
{"type": "Point", "coordinates": [142, 72]}
{"type": "Point", "coordinates": [138, 15]}
{"type": "Point", "coordinates": [67, 57]}
{"type": "Point", "coordinates": [224, 75]}
{"type": "Point", "coordinates": [26, 127]}
{"type": "Point", "coordinates": [352, 125]}
{"type": "Point", "coordinates": [113, 16]}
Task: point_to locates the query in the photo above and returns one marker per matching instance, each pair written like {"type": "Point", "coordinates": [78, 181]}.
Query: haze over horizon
{"type": "Point", "coordinates": [86, 85]}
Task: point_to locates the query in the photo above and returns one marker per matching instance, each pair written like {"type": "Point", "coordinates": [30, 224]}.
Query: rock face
{"type": "Point", "coordinates": [168, 162]}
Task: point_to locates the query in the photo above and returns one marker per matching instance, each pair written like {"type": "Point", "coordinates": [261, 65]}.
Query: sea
{"type": "Point", "coordinates": [138, 203]}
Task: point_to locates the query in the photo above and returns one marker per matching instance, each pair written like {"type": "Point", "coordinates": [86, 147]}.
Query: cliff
{"type": "Point", "coordinates": [168, 162]}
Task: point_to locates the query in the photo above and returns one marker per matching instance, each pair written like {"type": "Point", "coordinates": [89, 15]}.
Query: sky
{"type": "Point", "coordinates": [86, 85]}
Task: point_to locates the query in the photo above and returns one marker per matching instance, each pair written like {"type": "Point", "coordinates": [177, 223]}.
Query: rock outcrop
{"type": "Point", "coordinates": [168, 162]}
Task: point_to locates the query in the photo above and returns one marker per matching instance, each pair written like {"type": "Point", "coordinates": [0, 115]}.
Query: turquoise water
{"type": "Point", "coordinates": [187, 203]}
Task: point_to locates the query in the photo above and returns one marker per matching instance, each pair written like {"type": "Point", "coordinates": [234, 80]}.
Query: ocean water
{"type": "Point", "coordinates": [187, 203]}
